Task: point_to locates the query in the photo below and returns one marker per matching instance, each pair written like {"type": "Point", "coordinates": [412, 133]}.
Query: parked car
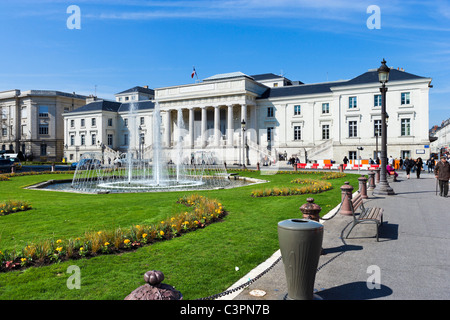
{"type": "Point", "coordinates": [16, 163]}
{"type": "Point", "coordinates": [5, 165]}
{"type": "Point", "coordinates": [88, 164]}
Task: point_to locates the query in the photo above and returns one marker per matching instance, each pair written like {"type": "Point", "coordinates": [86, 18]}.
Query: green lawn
{"type": "Point", "coordinates": [199, 264]}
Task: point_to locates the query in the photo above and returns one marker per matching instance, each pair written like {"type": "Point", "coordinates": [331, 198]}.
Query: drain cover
{"type": "Point", "coordinates": [258, 293]}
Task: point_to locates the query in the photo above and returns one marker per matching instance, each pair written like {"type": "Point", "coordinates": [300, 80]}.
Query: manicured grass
{"type": "Point", "coordinates": [199, 264]}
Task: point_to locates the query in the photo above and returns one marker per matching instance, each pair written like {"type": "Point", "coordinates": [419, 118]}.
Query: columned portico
{"type": "Point", "coordinates": [174, 125]}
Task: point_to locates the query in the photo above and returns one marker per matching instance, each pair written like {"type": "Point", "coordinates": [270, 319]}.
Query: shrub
{"type": "Point", "coordinates": [12, 206]}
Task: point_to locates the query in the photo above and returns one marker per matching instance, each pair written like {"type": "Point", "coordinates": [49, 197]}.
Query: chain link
{"type": "Point", "coordinates": [249, 282]}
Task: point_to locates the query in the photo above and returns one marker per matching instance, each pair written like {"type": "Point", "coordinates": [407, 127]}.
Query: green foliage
{"type": "Point", "coordinates": [197, 263]}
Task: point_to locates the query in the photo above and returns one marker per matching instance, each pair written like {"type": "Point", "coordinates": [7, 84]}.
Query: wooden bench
{"type": "Point", "coordinates": [391, 173]}
{"type": "Point", "coordinates": [365, 215]}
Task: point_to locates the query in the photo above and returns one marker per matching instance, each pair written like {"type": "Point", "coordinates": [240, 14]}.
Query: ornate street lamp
{"type": "Point", "coordinates": [383, 187]}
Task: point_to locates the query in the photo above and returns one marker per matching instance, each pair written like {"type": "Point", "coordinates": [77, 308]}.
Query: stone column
{"type": "Point", "coordinates": [371, 181]}
{"type": "Point", "coordinates": [346, 192]}
{"type": "Point", "coordinates": [203, 127]}
{"type": "Point", "coordinates": [230, 129]}
{"type": "Point", "coordinates": [244, 113]}
{"type": "Point", "coordinates": [179, 127]}
{"type": "Point", "coordinates": [191, 127]}
{"type": "Point", "coordinates": [216, 125]}
{"type": "Point", "coordinates": [168, 128]}
{"type": "Point", "coordinates": [363, 186]}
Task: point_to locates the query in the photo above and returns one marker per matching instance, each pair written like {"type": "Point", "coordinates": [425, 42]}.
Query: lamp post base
{"type": "Point", "coordinates": [383, 189]}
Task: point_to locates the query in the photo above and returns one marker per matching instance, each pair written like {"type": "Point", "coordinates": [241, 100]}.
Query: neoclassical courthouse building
{"type": "Point", "coordinates": [313, 122]}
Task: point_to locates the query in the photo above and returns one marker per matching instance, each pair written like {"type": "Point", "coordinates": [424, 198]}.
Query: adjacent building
{"type": "Point", "coordinates": [31, 122]}
{"type": "Point", "coordinates": [105, 125]}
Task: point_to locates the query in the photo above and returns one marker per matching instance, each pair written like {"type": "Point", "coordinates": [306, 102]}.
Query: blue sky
{"type": "Point", "coordinates": [122, 43]}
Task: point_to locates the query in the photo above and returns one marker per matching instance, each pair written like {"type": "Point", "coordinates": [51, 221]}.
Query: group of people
{"type": "Point", "coordinates": [440, 168]}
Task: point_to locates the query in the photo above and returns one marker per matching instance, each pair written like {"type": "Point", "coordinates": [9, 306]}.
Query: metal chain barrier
{"type": "Point", "coordinates": [249, 282]}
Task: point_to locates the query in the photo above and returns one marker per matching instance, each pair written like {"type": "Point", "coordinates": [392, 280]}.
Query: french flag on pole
{"type": "Point", "coordinates": [194, 73]}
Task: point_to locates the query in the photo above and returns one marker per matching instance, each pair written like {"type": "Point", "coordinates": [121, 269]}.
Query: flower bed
{"type": "Point", "coordinates": [309, 186]}
{"type": "Point", "coordinates": [202, 211]}
{"type": "Point", "coordinates": [12, 206]}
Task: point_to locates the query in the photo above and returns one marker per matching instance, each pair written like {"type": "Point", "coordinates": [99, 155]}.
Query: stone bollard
{"type": "Point", "coordinates": [295, 167]}
{"type": "Point", "coordinates": [377, 175]}
{"type": "Point", "coordinates": [341, 168]}
{"type": "Point", "coordinates": [154, 289]}
{"type": "Point", "coordinates": [257, 166]}
{"type": "Point", "coordinates": [347, 191]}
{"type": "Point", "coordinates": [13, 169]}
{"type": "Point", "coordinates": [363, 187]}
{"type": "Point", "coordinates": [310, 210]}
{"type": "Point", "coordinates": [53, 167]}
{"type": "Point", "coordinates": [371, 181]}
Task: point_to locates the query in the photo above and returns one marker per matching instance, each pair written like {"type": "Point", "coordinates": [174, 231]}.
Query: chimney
{"type": "Point", "coordinates": [146, 87]}
{"type": "Point", "coordinates": [91, 98]}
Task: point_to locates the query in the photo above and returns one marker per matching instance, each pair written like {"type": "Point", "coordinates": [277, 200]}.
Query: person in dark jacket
{"type": "Point", "coordinates": [442, 173]}
{"type": "Point", "coordinates": [408, 165]}
{"type": "Point", "coordinates": [419, 166]}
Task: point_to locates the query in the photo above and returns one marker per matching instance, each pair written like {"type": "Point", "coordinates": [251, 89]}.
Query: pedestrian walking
{"type": "Point", "coordinates": [430, 164]}
{"type": "Point", "coordinates": [442, 174]}
{"type": "Point", "coordinates": [419, 166]}
{"type": "Point", "coordinates": [345, 160]}
{"type": "Point", "coordinates": [409, 163]}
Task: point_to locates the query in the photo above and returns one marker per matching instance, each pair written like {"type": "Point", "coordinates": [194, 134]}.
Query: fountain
{"type": "Point", "coordinates": [152, 170]}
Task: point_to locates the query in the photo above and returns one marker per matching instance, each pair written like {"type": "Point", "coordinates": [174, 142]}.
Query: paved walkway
{"type": "Point", "coordinates": [412, 255]}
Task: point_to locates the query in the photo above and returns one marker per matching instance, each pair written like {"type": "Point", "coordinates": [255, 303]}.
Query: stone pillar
{"type": "Point", "coordinates": [346, 192]}
{"type": "Point", "coordinates": [217, 125]}
{"type": "Point", "coordinates": [310, 210]}
{"type": "Point", "coordinates": [179, 128]}
{"type": "Point", "coordinates": [191, 127]}
{"type": "Point", "coordinates": [244, 112]}
{"type": "Point", "coordinates": [371, 181]}
{"type": "Point", "coordinates": [377, 175]}
{"type": "Point", "coordinates": [363, 186]}
{"type": "Point", "coordinates": [203, 127]}
{"type": "Point", "coordinates": [168, 128]}
{"type": "Point", "coordinates": [230, 129]}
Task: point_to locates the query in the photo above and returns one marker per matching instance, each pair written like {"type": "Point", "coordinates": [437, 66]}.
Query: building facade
{"type": "Point", "coordinates": [441, 137]}
{"type": "Point", "coordinates": [251, 119]}
{"type": "Point", "coordinates": [32, 122]}
{"type": "Point", "coordinates": [311, 121]}
{"type": "Point", "coordinates": [111, 126]}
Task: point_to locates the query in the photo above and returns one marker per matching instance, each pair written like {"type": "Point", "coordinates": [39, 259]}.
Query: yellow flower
{"type": "Point", "coordinates": [59, 249]}
{"type": "Point", "coordinates": [144, 235]}
{"type": "Point", "coordinates": [161, 232]}
{"type": "Point", "coordinates": [171, 219]}
{"type": "Point", "coordinates": [106, 244]}
{"type": "Point", "coordinates": [186, 222]}
{"type": "Point", "coordinates": [23, 259]}
{"type": "Point", "coordinates": [99, 232]}
{"type": "Point", "coordinates": [58, 241]}
{"type": "Point", "coordinates": [81, 249]}
{"type": "Point", "coordinates": [126, 241]}
{"type": "Point", "coordinates": [162, 222]}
